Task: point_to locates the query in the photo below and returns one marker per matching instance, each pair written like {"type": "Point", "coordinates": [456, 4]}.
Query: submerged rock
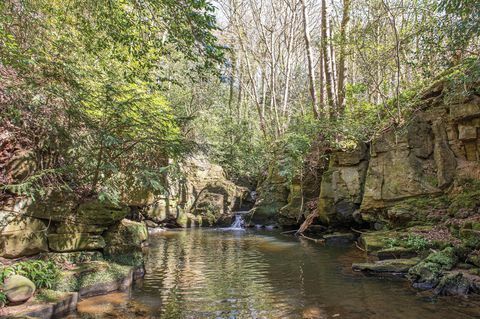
{"type": "Point", "coordinates": [392, 266]}
{"type": "Point", "coordinates": [18, 288]}
{"type": "Point", "coordinates": [339, 238]}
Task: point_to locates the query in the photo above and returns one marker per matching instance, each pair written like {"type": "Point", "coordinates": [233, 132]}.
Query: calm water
{"type": "Point", "coordinates": [204, 273]}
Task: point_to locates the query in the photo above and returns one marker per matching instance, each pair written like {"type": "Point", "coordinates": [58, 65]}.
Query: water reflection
{"type": "Point", "coordinates": [217, 274]}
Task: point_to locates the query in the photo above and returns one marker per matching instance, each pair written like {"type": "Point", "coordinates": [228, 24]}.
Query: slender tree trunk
{"type": "Point", "coordinates": [326, 62]}
{"type": "Point", "coordinates": [311, 72]}
{"type": "Point", "coordinates": [288, 62]}
{"type": "Point", "coordinates": [341, 62]}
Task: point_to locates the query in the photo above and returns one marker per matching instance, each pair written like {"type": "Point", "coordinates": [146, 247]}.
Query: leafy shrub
{"type": "Point", "coordinates": [415, 242]}
{"type": "Point", "coordinates": [3, 299]}
{"type": "Point", "coordinates": [44, 274]}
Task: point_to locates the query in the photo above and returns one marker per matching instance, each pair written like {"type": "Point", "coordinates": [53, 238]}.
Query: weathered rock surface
{"type": "Point", "coordinates": [272, 196]}
{"type": "Point", "coordinates": [125, 242]}
{"type": "Point", "coordinates": [341, 189]}
{"type": "Point", "coordinates": [421, 159]}
{"type": "Point", "coordinates": [75, 242]}
{"type": "Point", "coordinates": [18, 288]}
{"type": "Point", "coordinates": [21, 236]}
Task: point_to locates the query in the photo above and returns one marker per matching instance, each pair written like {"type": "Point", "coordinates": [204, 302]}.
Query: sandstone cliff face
{"type": "Point", "coordinates": [204, 196]}
{"type": "Point", "coordinates": [62, 223]}
{"type": "Point", "coordinates": [422, 159]}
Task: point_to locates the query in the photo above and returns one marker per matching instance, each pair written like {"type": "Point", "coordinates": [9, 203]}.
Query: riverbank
{"type": "Point", "coordinates": [82, 281]}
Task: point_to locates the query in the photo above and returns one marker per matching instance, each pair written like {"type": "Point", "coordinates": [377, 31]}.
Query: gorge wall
{"type": "Point", "coordinates": [62, 223]}
{"type": "Point", "coordinates": [435, 158]}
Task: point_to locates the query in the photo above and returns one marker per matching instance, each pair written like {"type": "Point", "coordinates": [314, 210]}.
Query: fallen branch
{"type": "Point", "coordinates": [307, 222]}
{"type": "Point", "coordinates": [356, 244]}
{"type": "Point", "coordinates": [289, 231]}
{"type": "Point", "coordinates": [357, 231]}
{"type": "Point", "coordinates": [313, 239]}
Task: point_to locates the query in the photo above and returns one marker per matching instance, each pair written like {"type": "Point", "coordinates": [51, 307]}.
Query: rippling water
{"type": "Point", "coordinates": [203, 273]}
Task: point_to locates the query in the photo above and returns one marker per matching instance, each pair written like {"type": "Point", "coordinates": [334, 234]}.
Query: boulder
{"type": "Point", "coordinates": [21, 236]}
{"type": "Point", "coordinates": [75, 242]}
{"type": "Point", "coordinates": [453, 284]}
{"type": "Point", "coordinates": [18, 288]}
{"type": "Point", "coordinates": [425, 275]}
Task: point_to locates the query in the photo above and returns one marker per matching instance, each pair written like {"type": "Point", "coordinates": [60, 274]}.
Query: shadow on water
{"type": "Point", "coordinates": [204, 273]}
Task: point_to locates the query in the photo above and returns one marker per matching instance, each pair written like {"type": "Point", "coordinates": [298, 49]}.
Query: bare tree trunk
{"type": "Point", "coordinates": [326, 62]}
{"type": "Point", "coordinates": [288, 62]}
{"type": "Point", "coordinates": [341, 62]}
{"type": "Point", "coordinates": [311, 72]}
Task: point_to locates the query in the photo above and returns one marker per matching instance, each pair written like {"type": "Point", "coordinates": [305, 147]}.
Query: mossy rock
{"type": "Point", "coordinates": [21, 236]}
{"type": "Point", "coordinates": [425, 275]}
{"type": "Point", "coordinates": [18, 288]}
{"type": "Point", "coordinates": [75, 242]}
{"type": "Point", "coordinates": [445, 258]}
{"type": "Point", "coordinates": [124, 241]}
{"type": "Point", "coordinates": [453, 284]}
{"type": "Point", "coordinates": [428, 273]}
{"type": "Point", "coordinates": [375, 241]}
{"type": "Point", "coordinates": [393, 266]}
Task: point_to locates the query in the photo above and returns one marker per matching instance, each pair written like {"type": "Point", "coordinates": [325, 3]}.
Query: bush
{"type": "Point", "coordinates": [44, 274]}
{"type": "Point", "coordinates": [415, 242]}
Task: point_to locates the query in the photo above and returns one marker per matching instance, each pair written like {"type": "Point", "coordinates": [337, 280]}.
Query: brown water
{"type": "Point", "coordinates": [204, 273]}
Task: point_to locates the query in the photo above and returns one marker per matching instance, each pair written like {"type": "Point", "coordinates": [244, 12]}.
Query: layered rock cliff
{"type": "Point", "coordinates": [61, 222]}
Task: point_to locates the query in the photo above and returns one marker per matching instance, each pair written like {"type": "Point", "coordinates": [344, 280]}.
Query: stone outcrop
{"type": "Point", "coordinates": [419, 160]}
{"type": "Point", "coordinates": [341, 190]}
{"type": "Point", "coordinates": [272, 196]}
{"type": "Point", "coordinates": [63, 223]}
{"type": "Point", "coordinates": [21, 236]}
{"type": "Point", "coordinates": [203, 196]}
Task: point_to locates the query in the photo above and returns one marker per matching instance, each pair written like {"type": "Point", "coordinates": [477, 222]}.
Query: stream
{"type": "Point", "coordinates": [225, 273]}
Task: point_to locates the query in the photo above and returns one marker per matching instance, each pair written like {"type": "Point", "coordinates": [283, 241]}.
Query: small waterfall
{"type": "Point", "coordinates": [238, 222]}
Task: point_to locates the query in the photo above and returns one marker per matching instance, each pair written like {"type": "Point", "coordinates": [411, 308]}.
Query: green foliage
{"type": "Point", "coordinates": [44, 274]}
{"type": "Point", "coordinates": [445, 258]}
{"type": "Point", "coordinates": [3, 299]}
{"type": "Point", "coordinates": [415, 242]}
{"type": "Point", "coordinates": [87, 82]}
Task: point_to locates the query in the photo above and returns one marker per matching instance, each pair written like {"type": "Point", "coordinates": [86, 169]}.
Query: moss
{"type": "Point", "coordinates": [426, 273]}
{"type": "Point", "coordinates": [68, 282]}
{"type": "Point", "coordinates": [410, 241]}
{"type": "Point", "coordinates": [445, 258]}
{"type": "Point", "coordinates": [109, 272]}
{"type": "Point", "coordinates": [48, 295]}
{"type": "Point", "coordinates": [467, 198]}
{"type": "Point", "coordinates": [133, 259]}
